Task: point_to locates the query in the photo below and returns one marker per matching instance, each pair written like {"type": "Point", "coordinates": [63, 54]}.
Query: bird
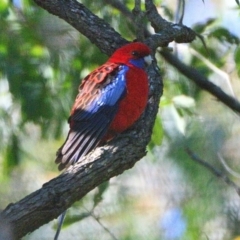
{"type": "Point", "coordinates": [110, 100]}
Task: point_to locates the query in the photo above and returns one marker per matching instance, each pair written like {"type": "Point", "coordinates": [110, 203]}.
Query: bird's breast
{"type": "Point", "coordinates": [134, 102]}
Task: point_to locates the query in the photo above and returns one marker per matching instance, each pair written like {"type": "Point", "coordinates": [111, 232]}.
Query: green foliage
{"type": "Point", "coordinates": [224, 35]}
{"type": "Point", "coordinates": [202, 27]}
{"type": "Point", "coordinates": [98, 196]}
{"type": "Point", "coordinates": [69, 220]}
{"type": "Point", "coordinates": [12, 157]}
{"type": "Point", "coordinates": [237, 60]}
{"type": "Point", "coordinates": [42, 61]}
{"type": "Point", "coordinates": [157, 135]}
{"type": "Point", "coordinates": [41, 79]}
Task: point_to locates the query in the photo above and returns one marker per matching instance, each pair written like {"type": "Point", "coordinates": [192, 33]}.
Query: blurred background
{"type": "Point", "coordinates": [166, 195]}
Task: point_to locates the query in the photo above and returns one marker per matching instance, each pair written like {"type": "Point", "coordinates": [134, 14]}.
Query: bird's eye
{"type": "Point", "coordinates": [135, 54]}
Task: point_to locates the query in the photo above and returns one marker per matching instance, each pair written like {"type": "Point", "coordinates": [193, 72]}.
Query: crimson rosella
{"type": "Point", "coordinates": [110, 100]}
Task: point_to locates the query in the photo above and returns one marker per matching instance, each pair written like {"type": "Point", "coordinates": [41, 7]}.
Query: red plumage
{"type": "Point", "coordinates": [134, 103]}
{"type": "Point", "coordinates": [110, 100]}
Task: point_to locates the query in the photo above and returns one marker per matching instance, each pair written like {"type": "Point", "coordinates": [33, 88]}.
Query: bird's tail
{"type": "Point", "coordinates": [60, 223]}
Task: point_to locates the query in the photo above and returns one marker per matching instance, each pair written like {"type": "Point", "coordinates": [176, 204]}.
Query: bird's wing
{"type": "Point", "coordinates": [93, 111]}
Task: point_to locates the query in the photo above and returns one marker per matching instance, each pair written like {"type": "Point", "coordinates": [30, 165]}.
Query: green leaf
{"type": "Point", "coordinates": [168, 11]}
{"type": "Point", "coordinates": [12, 156]}
{"type": "Point", "coordinates": [183, 101]}
{"type": "Point", "coordinates": [201, 27]}
{"type": "Point", "coordinates": [98, 196]}
{"type": "Point", "coordinates": [4, 9]}
{"type": "Point", "coordinates": [157, 135]}
{"type": "Point", "coordinates": [224, 35]}
{"type": "Point", "coordinates": [76, 218]}
{"type": "Point", "coordinates": [237, 60]}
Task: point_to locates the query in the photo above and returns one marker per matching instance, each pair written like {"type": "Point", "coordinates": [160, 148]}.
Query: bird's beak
{"type": "Point", "coordinates": [148, 59]}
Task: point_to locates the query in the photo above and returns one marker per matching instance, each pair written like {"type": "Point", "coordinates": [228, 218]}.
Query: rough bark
{"type": "Point", "coordinates": [60, 193]}
{"type": "Point", "coordinates": [120, 154]}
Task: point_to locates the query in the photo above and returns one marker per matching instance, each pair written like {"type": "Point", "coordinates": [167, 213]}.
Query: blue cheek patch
{"type": "Point", "coordinates": [138, 62]}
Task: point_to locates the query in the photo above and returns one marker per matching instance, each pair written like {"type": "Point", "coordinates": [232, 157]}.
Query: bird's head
{"type": "Point", "coordinates": [136, 53]}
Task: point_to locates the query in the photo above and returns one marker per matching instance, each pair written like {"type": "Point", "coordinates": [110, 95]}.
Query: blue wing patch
{"type": "Point", "coordinates": [89, 125]}
{"type": "Point", "coordinates": [111, 93]}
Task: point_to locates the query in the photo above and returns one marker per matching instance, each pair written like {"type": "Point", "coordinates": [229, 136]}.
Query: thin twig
{"type": "Point", "coordinates": [194, 75]}
{"type": "Point", "coordinates": [228, 169]}
{"type": "Point", "coordinates": [126, 12]}
{"type": "Point", "coordinates": [215, 69]}
{"type": "Point", "coordinates": [213, 170]}
{"type": "Point", "coordinates": [183, 11]}
{"type": "Point", "coordinates": [138, 20]}
{"type": "Point", "coordinates": [180, 9]}
{"type": "Point", "coordinates": [157, 22]}
{"type": "Point", "coordinates": [101, 224]}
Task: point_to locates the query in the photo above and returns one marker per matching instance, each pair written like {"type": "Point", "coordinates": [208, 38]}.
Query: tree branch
{"type": "Point", "coordinates": [201, 81]}
{"type": "Point", "coordinates": [213, 170]}
{"type": "Point", "coordinates": [175, 32]}
{"type": "Point", "coordinates": [121, 7]}
{"type": "Point", "coordinates": [94, 28]}
{"type": "Point", "coordinates": [169, 32]}
{"type": "Point", "coordinates": [60, 193]}
{"type": "Point", "coordinates": [166, 32]}
{"type": "Point", "coordinates": [120, 154]}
